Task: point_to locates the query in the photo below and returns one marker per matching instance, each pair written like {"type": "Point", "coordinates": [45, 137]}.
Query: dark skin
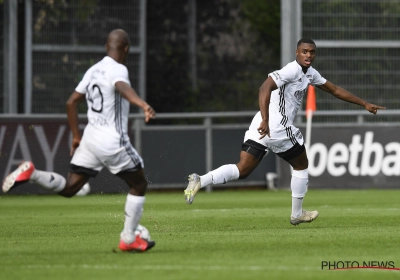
{"type": "Point", "coordinates": [305, 54]}
{"type": "Point", "coordinates": [117, 47]}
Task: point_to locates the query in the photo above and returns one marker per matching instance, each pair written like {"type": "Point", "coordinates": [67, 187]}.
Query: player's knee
{"type": "Point", "coordinates": [67, 192]}
{"type": "Point", "coordinates": [71, 188]}
{"type": "Point", "coordinates": [301, 165]}
{"type": "Point", "coordinates": [139, 188]}
{"type": "Point", "coordinates": [244, 172]}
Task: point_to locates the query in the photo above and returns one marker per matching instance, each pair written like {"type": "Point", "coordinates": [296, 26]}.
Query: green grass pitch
{"type": "Point", "coordinates": [222, 235]}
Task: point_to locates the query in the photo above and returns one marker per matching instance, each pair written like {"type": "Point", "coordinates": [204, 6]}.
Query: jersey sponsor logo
{"type": "Point", "coordinates": [300, 93]}
{"type": "Point", "coordinates": [98, 121]}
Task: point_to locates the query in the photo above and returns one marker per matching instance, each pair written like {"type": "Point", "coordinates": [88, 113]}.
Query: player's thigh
{"type": "Point", "coordinates": [133, 178]}
{"type": "Point", "coordinates": [247, 164]}
{"type": "Point", "coordinates": [76, 180]}
{"type": "Point", "coordinates": [251, 155]}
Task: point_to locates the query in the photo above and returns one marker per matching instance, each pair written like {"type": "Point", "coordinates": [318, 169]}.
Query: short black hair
{"type": "Point", "coordinates": [306, 41]}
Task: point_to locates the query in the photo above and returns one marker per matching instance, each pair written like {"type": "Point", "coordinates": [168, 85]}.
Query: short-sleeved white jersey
{"type": "Point", "coordinates": [107, 109]}
{"type": "Point", "coordinates": [105, 141]}
{"type": "Point", "coordinates": [286, 99]}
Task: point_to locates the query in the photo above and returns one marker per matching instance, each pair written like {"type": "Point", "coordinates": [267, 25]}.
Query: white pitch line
{"type": "Point", "coordinates": [197, 268]}
{"type": "Point", "coordinates": [174, 267]}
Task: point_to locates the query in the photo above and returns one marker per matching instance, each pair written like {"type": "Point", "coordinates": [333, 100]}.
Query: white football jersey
{"type": "Point", "coordinates": [286, 99]}
{"type": "Point", "coordinates": [105, 140]}
{"type": "Point", "coordinates": [107, 109]}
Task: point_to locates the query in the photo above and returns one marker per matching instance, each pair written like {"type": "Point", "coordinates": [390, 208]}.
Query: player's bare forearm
{"type": "Point", "coordinates": [130, 94]}
{"type": "Point", "coordinates": [73, 121]}
{"type": "Point", "coordinates": [264, 97]}
{"type": "Point", "coordinates": [344, 95]}
{"type": "Point", "coordinates": [72, 112]}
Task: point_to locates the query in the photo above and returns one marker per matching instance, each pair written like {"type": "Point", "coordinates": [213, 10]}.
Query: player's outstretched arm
{"type": "Point", "coordinates": [372, 108]}
{"type": "Point", "coordinates": [72, 113]}
{"type": "Point", "coordinates": [130, 94]}
{"type": "Point", "coordinates": [345, 95]}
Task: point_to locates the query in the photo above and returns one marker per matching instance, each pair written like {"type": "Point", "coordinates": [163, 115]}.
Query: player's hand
{"type": "Point", "coordinates": [149, 113]}
{"type": "Point", "coordinates": [74, 146]}
{"type": "Point", "coordinates": [372, 108]}
{"type": "Point", "coordinates": [263, 129]}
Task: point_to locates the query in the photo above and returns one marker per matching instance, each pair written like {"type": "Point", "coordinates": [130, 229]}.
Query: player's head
{"type": "Point", "coordinates": [118, 45]}
{"type": "Point", "coordinates": [305, 52]}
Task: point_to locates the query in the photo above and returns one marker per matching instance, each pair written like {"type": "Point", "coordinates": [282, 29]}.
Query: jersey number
{"type": "Point", "coordinates": [95, 96]}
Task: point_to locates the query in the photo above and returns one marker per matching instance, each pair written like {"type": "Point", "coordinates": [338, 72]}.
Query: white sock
{"type": "Point", "coordinates": [133, 214]}
{"type": "Point", "coordinates": [48, 180]}
{"type": "Point", "coordinates": [221, 175]}
{"type": "Point", "coordinates": [299, 185]}
{"type": "Point", "coordinates": [297, 206]}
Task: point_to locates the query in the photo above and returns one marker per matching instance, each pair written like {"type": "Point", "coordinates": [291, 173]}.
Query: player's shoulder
{"type": "Point", "coordinates": [312, 72]}
{"type": "Point", "coordinates": [292, 69]}
{"type": "Point", "coordinates": [110, 62]}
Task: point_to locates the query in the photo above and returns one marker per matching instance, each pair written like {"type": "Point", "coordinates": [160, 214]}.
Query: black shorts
{"type": "Point", "coordinates": [255, 149]}
{"type": "Point", "coordinates": [293, 152]}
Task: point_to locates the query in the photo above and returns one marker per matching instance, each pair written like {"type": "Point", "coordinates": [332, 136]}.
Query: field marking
{"type": "Point", "coordinates": [269, 208]}
{"type": "Point", "coordinates": [174, 267]}
{"type": "Point", "coordinates": [194, 267]}
{"type": "Point", "coordinates": [231, 209]}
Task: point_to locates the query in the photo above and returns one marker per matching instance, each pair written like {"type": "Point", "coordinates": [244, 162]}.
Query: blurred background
{"type": "Point", "coordinates": [200, 65]}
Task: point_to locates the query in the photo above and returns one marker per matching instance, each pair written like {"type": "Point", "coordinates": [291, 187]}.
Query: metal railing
{"type": "Point", "coordinates": [207, 123]}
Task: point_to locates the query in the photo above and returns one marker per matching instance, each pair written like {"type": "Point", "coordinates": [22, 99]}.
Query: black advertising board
{"type": "Point", "coordinates": [351, 157]}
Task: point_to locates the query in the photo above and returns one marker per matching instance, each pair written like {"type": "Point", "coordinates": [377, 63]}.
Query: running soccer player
{"type": "Point", "coordinates": [105, 142]}
{"type": "Point", "coordinates": [280, 97]}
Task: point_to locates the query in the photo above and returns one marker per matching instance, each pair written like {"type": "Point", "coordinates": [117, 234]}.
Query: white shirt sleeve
{"type": "Point", "coordinates": [286, 75]}
{"type": "Point", "coordinates": [317, 79]}
{"type": "Point", "coordinates": [81, 88]}
{"type": "Point", "coordinates": [119, 73]}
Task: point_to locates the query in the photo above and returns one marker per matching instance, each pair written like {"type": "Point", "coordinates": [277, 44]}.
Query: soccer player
{"type": "Point", "coordinates": [105, 141]}
{"type": "Point", "coordinates": [272, 128]}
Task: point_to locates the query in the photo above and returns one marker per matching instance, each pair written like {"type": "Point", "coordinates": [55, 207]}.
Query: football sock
{"type": "Point", "coordinates": [299, 185]}
{"type": "Point", "coordinates": [48, 180]}
{"type": "Point", "coordinates": [297, 206]}
{"type": "Point", "coordinates": [221, 175]}
{"type": "Point", "coordinates": [133, 214]}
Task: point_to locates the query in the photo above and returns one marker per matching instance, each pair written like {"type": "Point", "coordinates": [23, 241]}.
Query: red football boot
{"type": "Point", "coordinates": [20, 175]}
{"type": "Point", "coordinates": [139, 245]}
